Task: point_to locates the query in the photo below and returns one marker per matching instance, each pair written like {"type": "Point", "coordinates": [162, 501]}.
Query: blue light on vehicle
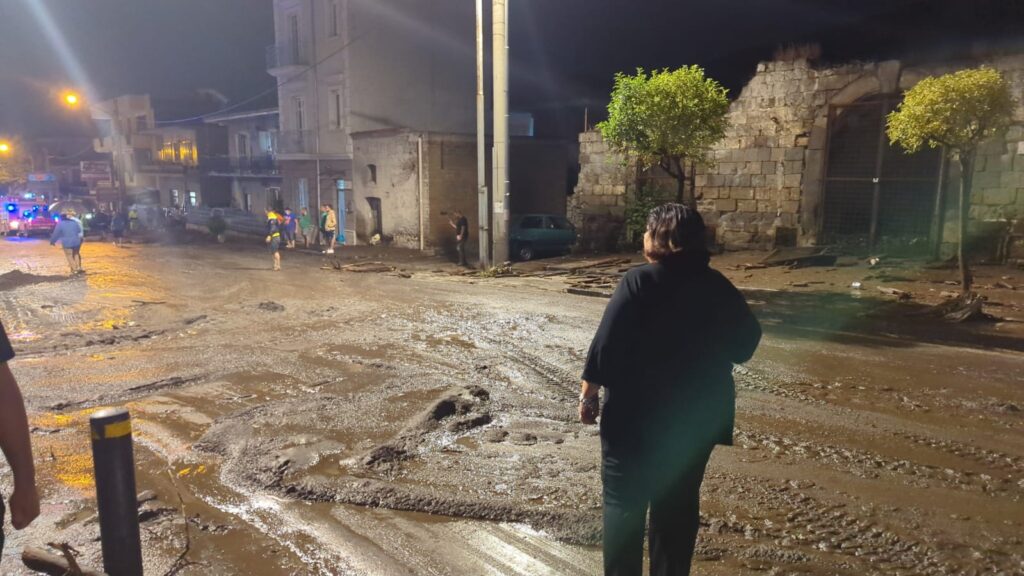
{"type": "Point", "coordinates": [12, 207]}
{"type": "Point", "coordinates": [26, 214]}
{"type": "Point", "coordinates": [56, 217]}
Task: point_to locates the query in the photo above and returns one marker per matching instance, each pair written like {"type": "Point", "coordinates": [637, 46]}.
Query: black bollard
{"type": "Point", "coordinates": [114, 465]}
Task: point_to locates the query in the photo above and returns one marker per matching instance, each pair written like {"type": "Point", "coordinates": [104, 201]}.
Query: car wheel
{"type": "Point", "coordinates": [524, 252]}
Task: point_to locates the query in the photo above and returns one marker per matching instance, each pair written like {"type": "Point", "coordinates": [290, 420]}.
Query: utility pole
{"type": "Point", "coordinates": [316, 97]}
{"type": "Point", "coordinates": [484, 199]}
{"type": "Point", "coordinates": [499, 156]}
{"type": "Point", "coordinates": [122, 186]}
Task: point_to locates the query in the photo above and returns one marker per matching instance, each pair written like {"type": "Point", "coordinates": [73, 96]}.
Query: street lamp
{"type": "Point", "coordinates": [71, 99]}
{"type": "Point", "coordinates": [5, 147]}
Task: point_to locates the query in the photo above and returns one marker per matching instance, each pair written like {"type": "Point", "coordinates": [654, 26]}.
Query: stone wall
{"type": "Point", "coordinates": [768, 171]}
{"type": "Point", "coordinates": [598, 205]}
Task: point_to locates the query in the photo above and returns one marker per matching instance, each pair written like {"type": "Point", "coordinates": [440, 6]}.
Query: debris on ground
{"type": "Point", "coordinates": [363, 267]}
{"type": "Point", "coordinates": [966, 308]}
{"type": "Point", "coordinates": [901, 295]}
{"type": "Point", "coordinates": [40, 560]}
{"type": "Point", "coordinates": [800, 257]}
{"type": "Point", "coordinates": [17, 278]}
{"type": "Point", "coordinates": [271, 306]}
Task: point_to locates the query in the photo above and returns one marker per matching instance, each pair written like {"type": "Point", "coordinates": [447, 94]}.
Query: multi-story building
{"type": "Point", "coordinates": [250, 166]}
{"type": "Point", "coordinates": [161, 163]}
{"type": "Point", "coordinates": [353, 66]}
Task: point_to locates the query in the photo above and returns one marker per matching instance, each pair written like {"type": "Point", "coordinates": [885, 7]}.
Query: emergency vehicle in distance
{"type": "Point", "coordinates": [25, 215]}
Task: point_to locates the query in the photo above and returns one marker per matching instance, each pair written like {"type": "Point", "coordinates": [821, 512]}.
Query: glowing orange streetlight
{"type": "Point", "coordinates": [5, 147]}
{"type": "Point", "coordinates": [71, 99]}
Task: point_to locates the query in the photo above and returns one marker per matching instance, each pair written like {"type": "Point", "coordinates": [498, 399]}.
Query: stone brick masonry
{"type": "Point", "coordinates": [767, 172]}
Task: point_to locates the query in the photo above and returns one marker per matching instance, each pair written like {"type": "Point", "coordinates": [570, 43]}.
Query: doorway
{"type": "Point", "coordinates": [875, 192]}
{"type": "Point", "coordinates": [341, 187]}
{"type": "Point", "coordinates": [376, 218]}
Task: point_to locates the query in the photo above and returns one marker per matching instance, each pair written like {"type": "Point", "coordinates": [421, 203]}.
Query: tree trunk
{"type": "Point", "coordinates": [966, 180]}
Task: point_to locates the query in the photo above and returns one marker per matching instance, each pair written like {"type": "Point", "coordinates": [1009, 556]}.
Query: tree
{"type": "Point", "coordinates": [14, 163]}
{"type": "Point", "coordinates": [666, 118]}
{"type": "Point", "coordinates": [956, 112]}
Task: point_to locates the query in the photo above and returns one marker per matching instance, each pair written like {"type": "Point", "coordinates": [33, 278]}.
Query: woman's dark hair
{"type": "Point", "coordinates": [674, 228]}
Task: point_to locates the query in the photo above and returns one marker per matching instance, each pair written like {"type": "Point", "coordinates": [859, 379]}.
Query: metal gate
{"type": "Point", "coordinates": [874, 190]}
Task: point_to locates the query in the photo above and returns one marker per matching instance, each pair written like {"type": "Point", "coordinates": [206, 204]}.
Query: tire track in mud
{"type": "Point", "coordinates": [838, 529]}
{"type": "Point", "coordinates": [865, 464]}
{"type": "Point", "coordinates": [984, 456]}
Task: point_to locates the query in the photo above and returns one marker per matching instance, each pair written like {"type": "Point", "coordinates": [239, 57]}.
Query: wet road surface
{"type": "Point", "coordinates": [318, 422]}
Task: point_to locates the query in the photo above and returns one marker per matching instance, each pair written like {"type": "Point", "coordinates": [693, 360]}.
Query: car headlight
{"type": "Point", "coordinates": [88, 216]}
{"type": "Point", "coordinates": [15, 224]}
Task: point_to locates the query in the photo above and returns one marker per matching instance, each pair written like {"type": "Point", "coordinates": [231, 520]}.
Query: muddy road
{"type": "Point", "coordinates": [319, 422]}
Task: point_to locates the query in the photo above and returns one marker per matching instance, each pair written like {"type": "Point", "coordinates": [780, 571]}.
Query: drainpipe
{"type": "Point", "coordinates": [419, 186]}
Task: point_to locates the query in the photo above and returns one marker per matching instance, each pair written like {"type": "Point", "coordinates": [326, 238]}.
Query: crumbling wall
{"type": "Point", "coordinates": [767, 172]}
{"type": "Point", "coordinates": [598, 205]}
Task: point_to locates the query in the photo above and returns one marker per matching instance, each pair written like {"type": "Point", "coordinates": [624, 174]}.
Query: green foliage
{"type": "Point", "coordinates": [15, 164]}
{"type": "Point", "coordinates": [958, 110]}
{"type": "Point", "coordinates": [638, 208]}
{"type": "Point", "coordinates": [217, 225]}
{"type": "Point", "coordinates": [665, 116]}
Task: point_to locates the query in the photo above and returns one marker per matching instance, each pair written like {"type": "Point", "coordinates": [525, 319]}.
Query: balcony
{"type": "Point", "coordinates": [263, 165]}
{"type": "Point", "coordinates": [296, 142]}
{"type": "Point", "coordinates": [282, 58]}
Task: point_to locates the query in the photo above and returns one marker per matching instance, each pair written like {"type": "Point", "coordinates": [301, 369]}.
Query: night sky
{"type": "Point", "coordinates": [564, 51]}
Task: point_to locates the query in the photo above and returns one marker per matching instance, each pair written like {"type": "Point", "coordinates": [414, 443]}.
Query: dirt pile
{"type": "Point", "coordinates": [17, 279]}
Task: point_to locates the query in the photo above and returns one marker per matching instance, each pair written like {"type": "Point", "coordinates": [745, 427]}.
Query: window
{"type": "Point", "coordinates": [335, 112]}
{"type": "Point", "coordinates": [299, 106]}
{"type": "Point", "coordinates": [175, 197]}
{"type": "Point", "coordinates": [303, 193]}
{"type": "Point", "coordinates": [266, 142]}
{"type": "Point", "coordinates": [333, 16]}
{"type": "Point", "coordinates": [248, 202]}
{"type": "Point", "coordinates": [532, 223]}
{"type": "Point", "coordinates": [293, 38]}
{"type": "Point", "coordinates": [242, 144]}
{"type": "Point", "coordinates": [141, 123]}
{"type": "Point", "coordinates": [193, 198]}
{"type": "Point", "coordinates": [372, 169]}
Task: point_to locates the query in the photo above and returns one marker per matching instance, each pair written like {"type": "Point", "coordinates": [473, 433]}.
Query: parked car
{"type": "Point", "coordinates": [531, 235]}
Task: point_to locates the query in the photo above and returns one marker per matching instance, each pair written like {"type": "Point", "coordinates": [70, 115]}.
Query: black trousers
{"type": "Point", "coordinates": [667, 484]}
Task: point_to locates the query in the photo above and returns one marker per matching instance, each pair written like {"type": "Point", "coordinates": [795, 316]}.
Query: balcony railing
{"type": "Point", "coordinates": [282, 55]}
{"type": "Point", "coordinates": [296, 142]}
{"type": "Point", "coordinates": [242, 165]}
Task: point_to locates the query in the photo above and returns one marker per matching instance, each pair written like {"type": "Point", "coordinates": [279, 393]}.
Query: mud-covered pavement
{"type": "Point", "coordinates": [321, 422]}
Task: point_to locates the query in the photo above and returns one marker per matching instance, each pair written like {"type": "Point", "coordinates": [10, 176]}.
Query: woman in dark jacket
{"type": "Point", "coordinates": [664, 355]}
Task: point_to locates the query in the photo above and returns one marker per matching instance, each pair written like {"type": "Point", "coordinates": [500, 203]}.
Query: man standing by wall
{"type": "Point", "coordinates": [461, 226]}
{"type": "Point", "coordinates": [16, 445]}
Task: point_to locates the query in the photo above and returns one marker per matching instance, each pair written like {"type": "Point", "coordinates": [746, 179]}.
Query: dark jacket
{"type": "Point", "coordinates": [68, 232]}
{"type": "Point", "coordinates": [664, 353]}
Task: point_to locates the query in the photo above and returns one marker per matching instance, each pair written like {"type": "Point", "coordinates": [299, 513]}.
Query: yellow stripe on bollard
{"type": "Point", "coordinates": [115, 430]}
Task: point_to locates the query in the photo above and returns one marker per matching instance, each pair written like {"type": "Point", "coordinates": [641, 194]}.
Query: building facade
{"type": "Point", "coordinates": [165, 164]}
{"type": "Point", "coordinates": [350, 66]}
{"type": "Point", "coordinates": [806, 158]}
{"type": "Point", "coordinates": [250, 166]}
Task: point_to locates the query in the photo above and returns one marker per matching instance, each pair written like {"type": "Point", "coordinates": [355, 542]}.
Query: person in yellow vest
{"type": "Point", "coordinates": [274, 236]}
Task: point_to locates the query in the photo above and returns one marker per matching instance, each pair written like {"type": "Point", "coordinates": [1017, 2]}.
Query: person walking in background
{"type": "Point", "coordinates": [664, 354]}
{"type": "Point", "coordinates": [274, 236]}
{"type": "Point", "coordinates": [305, 226]}
{"type": "Point", "coordinates": [133, 219]}
{"type": "Point", "coordinates": [69, 233]}
{"type": "Point", "coordinates": [330, 228]}
{"type": "Point", "coordinates": [118, 225]}
{"type": "Point", "coordinates": [16, 444]}
{"type": "Point", "coordinates": [290, 225]}
{"type": "Point", "coordinates": [461, 226]}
